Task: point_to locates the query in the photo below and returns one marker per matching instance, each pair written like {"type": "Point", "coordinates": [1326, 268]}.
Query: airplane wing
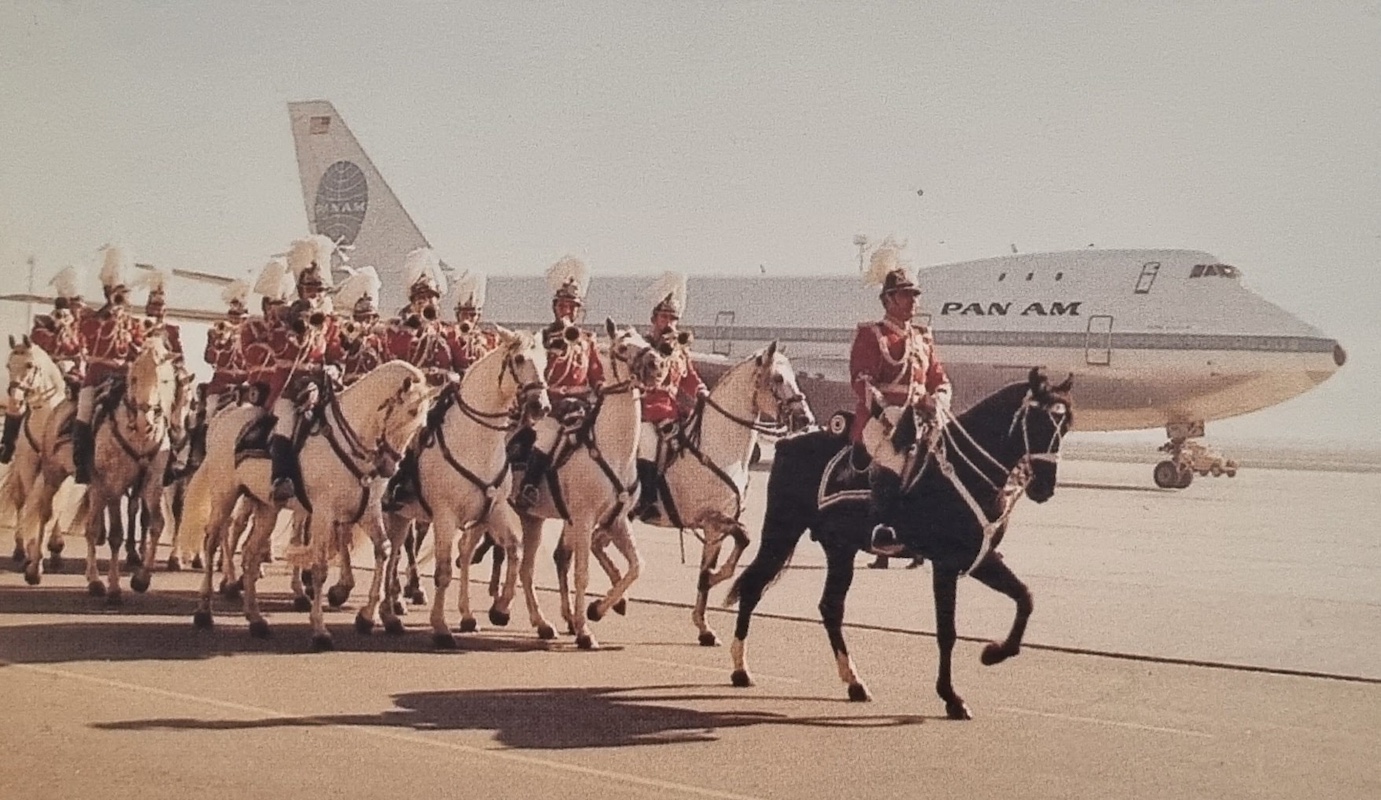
{"type": "Point", "coordinates": [194, 275]}
{"type": "Point", "coordinates": [177, 314]}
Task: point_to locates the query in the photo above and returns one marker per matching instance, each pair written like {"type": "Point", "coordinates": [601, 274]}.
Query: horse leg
{"type": "Point", "coordinates": [33, 519]}
{"type": "Point", "coordinates": [242, 517]}
{"type": "Point", "coordinates": [599, 545]}
{"type": "Point", "coordinates": [532, 538]}
{"type": "Point", "coordinates": [265, 515]}
{"type": "Point", "coordinates": [621, 535]}
{"type": "Point", "coordinates": [95, 534]}
{"type": "Point", "coordinates": [839, 575]}
{"type": "Point", "coordinates": [396, 529]}
{"type": "Point", "coordinates": [709, 557]}
{"type": "Point", "coordinates": [417, 534]}
{"type": "Point", "coordinates": [994, 574]}
{"type": "Point", "coordinates": [561, 558]}
{"type": "Point", "coordinates": [444, 528]}
{"type": "Point", "coordinates": [773, 555]}
{"type": "Point", "coordinates": [57, 539]}
{"type": "Point", "coordinates": [135, 520]}
{"type": "Point", "coordinates": [321, 530]}
{"type": "Point", "coordinates": [340, 592]}
{"type": "Point", "coordinates": [945, 582]}
{"type": "Point", "coordinates": [374, 525]}
{"type": "Point", "coordinates": [577, 538]}
{"type": "Point", "coordinates": [152, 501]}
{"type": "Point", "coordinates": [502, 527]}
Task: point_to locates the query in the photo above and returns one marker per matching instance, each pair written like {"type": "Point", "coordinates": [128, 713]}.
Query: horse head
{"type": "Point", "coordinates": [777, 394]}
{"type": "Point", "coordinates": [390, 405]}
{"type": "Point", "coordinates": [1045, 416]}
{"type": "Point", "coordinates": [522, 381]}
{"type": "Point", "coordinates": [631, 359]}
{"type": "Point", "coordinates": [151, 386]}
{"type": "Point", "coordinates": [184, 406]}
{"type": "Point", "coordinates": [35, 380]}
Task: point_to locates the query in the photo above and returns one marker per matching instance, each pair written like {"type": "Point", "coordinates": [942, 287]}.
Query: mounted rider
{"type": "Point", "coordinates": [225, 347]}
{"type": "Point", "coordinates": [305, 340]}
{"type": "Point", "coordinates": [679, 389]}
{"type": "Point", "coordinates": [574, 371]}
{"type": "Point", "coordinates": [58, 333]}
{"type": "Point", "coordinates": [420, 337]}
{"type": "Point", "coordinates": [156, 314]}
{"type": "Point", "coordinates": [274, 286]}
{"type": "Point", "coordinates": [363, 337]}
{"type": "Point", "coordinates": [470, 341]}
{"type": "Point", "coordinates": [111, 338]}
{"type": "Point", "coordinates": [896, 357]}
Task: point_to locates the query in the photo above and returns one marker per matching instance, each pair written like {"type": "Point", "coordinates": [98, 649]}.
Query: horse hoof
{"type": "Point", "coordinates": [468, 625]}
{"type": "Point", "coordinates": [399, 609]}
{"type": "Point", "coordinates": [363, 625]}
{"type": "Point", "coordinates": [418, 598]}
{"type": "Point", "coordinates": [740, 679]}
{"type": "Point", "coordinates": [443, 641]}
{"type": "Point", "coordinates": [858, 693]}
{"type": "Point", "coordinates": [174, 564]}
{"type": "Point", "coordinates": [546, 632]}
{"type": "Point", "coordinates": [95, 589]}
{"type": "Point", "coordinates": [957, 710]}
{"type": "Point", "coordinates": [621, 607]}
{"type": "Point", "coordinates": [197, 563]}
{"type": "Point", "coordinates": [259, 629]}
{"type": "Point", "coordinates": [202, 620]}
{"type": "Point", "coordinates": [32, 578]}
{"type": "Point", "coordinates": [499, 618]}
{"type": "Point", "coordinates": [139, 583]}
{"type": "Point", "coordinates": [322, 643]}
{"type": "Point", "coordinates": [18, 554]}
{"type": "Point", "coordinates": [54, 562]}
{"type": "Point", "coordinates": [133, 561]}
{"type": "Point", "coordinates": [586, 642]}
{"type": "Point", "coordinates": [301, 603]}
{"type": "Point", "coordinates": [592, 613]}
{"type": "Point", "coordinates": [337, 595]}
{"type": "Point", "coordinates": [570, 629]}
{"type": "Point", "coordinates": [308, 589]}
{"type": "Point", "coordinates": [992, 654]}
{"type": "Point", "coordinates": [393, 626]}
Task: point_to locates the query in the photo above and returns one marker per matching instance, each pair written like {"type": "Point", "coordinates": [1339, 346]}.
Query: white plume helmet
{"type": "Point", "coordinates": [470, 290]}
{"type": "Point", "coordinates": [235, 292]}
{"type": "Point", "coordinates": [67, 283]}
{"type": "Point", "coordinates": [885, 258]}
{"type": "Point", "coordinates": [423, 271]}
{"type": "Point", "coordinates": [568, 279]}
{"type": "Point", "coordinates": [155, 280]}
{"type": "Point", "coordinates": [275, 281]}
{"type": "Point", "coordinates": [669, 293]}
{"type": "Point", "coordinates": [114, 266]}
{"type": "Point", "coordinates": [361, 287]}
{"type": "Point", "coordinates": [312, 255]}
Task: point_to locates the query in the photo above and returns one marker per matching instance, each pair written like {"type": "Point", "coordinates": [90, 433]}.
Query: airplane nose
{"type": "Point", "coordinates": [1339, 354]}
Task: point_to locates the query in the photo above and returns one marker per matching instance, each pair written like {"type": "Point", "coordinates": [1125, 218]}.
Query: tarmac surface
{"type": "Point", "coordinates": [1222, 641]}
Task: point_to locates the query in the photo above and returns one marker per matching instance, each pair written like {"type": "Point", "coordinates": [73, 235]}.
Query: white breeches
{"type": "Point", "coordinates": [286, 413]}
{"type": "Point", "coordinates": [86, 402]}
{"type": "Point", "coordinates": [546, 431]}
{"type": "Point", "coordinates": [648, 438]}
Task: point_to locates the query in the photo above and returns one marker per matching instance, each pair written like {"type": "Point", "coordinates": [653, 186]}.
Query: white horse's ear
{"type": "Point", "coordinates": [770, 352]}
{"type": "Point", "coordinates": [504, 333]}
{"type": "Point", "coordinates": [609, 327]}
{"type": "Point", "coordinates": [26, 341]}
{"type": "Point", "coordinates": [12, 344]}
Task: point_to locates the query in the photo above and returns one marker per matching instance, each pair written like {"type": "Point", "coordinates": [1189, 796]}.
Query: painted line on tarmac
{"type": "Point", "coordinates": [501, 755]}
{"type": "Point", "coordinates": [1109, 722]}
{"type": "Point", "coordinates": [704, 668]}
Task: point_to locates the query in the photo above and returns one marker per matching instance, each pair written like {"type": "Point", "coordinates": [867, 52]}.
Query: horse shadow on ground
{"type": "Point", "coordinates": [558, 718]}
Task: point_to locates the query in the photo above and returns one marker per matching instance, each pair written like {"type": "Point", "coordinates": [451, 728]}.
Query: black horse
{"type": "Point", "coordinates": [952, 510]}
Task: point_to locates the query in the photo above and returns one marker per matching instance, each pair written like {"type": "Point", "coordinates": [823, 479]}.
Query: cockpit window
{"type": "Point", "coordinates": [1214, 270]}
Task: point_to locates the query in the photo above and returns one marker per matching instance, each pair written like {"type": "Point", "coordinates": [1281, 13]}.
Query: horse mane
{"type": "Point", "coordinates": [45, 363]}
{"type": "Point", "coordinates": [996, 407]}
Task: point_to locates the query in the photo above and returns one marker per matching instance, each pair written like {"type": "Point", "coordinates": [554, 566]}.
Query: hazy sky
{"type": "Point", "coordinates": [721, 136]}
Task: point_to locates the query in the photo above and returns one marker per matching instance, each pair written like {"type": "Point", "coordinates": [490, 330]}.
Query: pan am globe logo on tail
{"type": "Point", "coordinates": [342, 198]}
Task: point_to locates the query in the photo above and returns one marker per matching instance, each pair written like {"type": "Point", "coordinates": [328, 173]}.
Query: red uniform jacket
{"type": "Point", "coordinates": [63, 343]}
{"type": "Point", "coordinates": [677, 392]}
{"type": "Point", "coordinates": [257, 350]}
{"type": "Point", "coordinates": [365, 350]}
{"type": "Point", "coordinates": [112, 338]}
{"type": "Point", "coordinates": [900, 362]}
{"type": "Point", "coordinates": [573, 369]}
{"type": "Point", "coordinates": [467, 348]}
{"type": "Point", "coordinates": [301, 350]}
{"type": "Point", "coordinates": [225, 353]}
{"type": "Point", "coordinates": [426, 346]}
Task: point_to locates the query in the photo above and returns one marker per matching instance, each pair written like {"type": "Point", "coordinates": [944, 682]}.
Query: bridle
{"type": "Point", "coordinates": [525, 394]}
{"type": "Point", "coordinates": [773, 382]}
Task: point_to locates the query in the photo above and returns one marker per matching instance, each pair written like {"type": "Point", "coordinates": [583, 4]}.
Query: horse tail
{"type": "Point", "coordinates": [190, 534]}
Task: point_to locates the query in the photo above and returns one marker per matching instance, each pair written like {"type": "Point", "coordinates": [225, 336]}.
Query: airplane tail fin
{"type": "Point", "coordinates": [348, 200]}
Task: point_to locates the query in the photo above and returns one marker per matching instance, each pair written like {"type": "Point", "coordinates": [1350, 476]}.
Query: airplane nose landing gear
{"type": "Point", "coordinates": [1187, 457]}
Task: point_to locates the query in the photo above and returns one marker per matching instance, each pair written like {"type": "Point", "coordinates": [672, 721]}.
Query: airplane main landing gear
{"type": "Point", "coordinates": [1188, 457]}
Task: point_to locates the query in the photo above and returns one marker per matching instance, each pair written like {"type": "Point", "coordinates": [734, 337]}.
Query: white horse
{"type": "Point", "coordinates": [708, 479]}
{"type": "Point", "coordinates": [131, 453]}
{"type": "Point", "coordinates": [596, 478]}
{"type": "Point", "coordinates": [42, 460]}
{"type": "Point", "coordinates": [464, 480]}
{"type": "Point", "coordinates": [350, 450]}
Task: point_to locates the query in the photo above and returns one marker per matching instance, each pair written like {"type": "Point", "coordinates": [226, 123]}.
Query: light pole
{"type": "Point", "coordinates": [30, 324]}
{"type": "Point", "coordinates": [861, 242]}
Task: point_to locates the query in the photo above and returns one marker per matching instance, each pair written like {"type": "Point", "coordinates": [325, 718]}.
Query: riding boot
{"type": "Point", "coordinates": [12, 422]}
{"type": "Point", "coordinates": [885, 487]}
{"type": "Point", "coordinates": [281, 458]}
{"type": "Point", "coordinates": [530, 490]}
{"type": "Point", "coordinates": [648, 480]}
{"type": "Point", "coordinates": [82, 452]}
{"type": "Point", "coordinates": [402, 487]}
